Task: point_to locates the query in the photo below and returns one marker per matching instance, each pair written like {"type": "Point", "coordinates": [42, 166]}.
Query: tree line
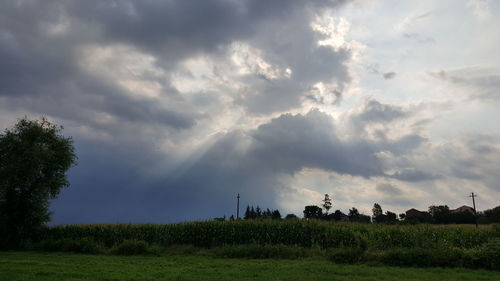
{"type": "Point", "coordinates": [440, 214]}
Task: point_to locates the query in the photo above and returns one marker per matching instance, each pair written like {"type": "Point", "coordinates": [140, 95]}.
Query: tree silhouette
{"type": "Point", "coordinates": [34, 158]}
{"type": "Point", "coordinates": [313, 212]}
{"type": "Point", "coordinates": [327, 203]}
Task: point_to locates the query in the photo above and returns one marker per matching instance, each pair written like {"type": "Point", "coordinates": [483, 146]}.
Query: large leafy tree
{"type": "Point", "coordinates": [34, 158]}
{"type": "Point", "coordinates": [313, 212]}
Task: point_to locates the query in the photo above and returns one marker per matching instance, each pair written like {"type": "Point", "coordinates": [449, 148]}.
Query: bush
{"type": "Point", "coordinates": [424, 257]}
{"type": "Point", "coordinates": [345, 255]}
{"type": "Point", "coordinates": [262, 251]}
{"type": "Point", "coordinates": [131, 247]}
{"type": "Point", "coordinates": [84, 245]}
{"type": "Point", "coordinates": [487, 256]}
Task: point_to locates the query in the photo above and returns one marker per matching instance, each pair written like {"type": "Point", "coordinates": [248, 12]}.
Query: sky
{"type": "Point", "coordinates": [175, 107]}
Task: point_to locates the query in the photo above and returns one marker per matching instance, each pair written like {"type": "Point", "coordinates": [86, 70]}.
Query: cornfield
{"type": "Point", "coordinates": [301, 233]}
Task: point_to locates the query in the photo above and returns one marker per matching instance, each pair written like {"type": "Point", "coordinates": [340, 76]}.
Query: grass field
{"type": "Point", "coordinates": [62, 266]}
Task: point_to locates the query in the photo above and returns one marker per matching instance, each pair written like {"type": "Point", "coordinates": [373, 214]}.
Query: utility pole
{"type": "Point", "coordinates": [238, 207]}
{"type": "Point", "coordinates": [472, 195]}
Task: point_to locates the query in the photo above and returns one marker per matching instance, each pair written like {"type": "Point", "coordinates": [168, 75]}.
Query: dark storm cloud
{"type": "Point", "coordinates": [292, 142]}
{"type": "Point", "coordinates": [42, 74]}
{"type": "Point", "coordinates": [375, 112]}
{"type": "Point", "coordinates": [42, 50]}
{"type": "Point", "coordinates": [308, 62]}
{"type": "Point", "coordinates": [204, 186]}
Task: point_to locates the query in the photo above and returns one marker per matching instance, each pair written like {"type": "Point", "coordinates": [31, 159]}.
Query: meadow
{"type": "Point", "coordinates": [36, 266]}
{"type": "Point", "coordinates": [348, 243]}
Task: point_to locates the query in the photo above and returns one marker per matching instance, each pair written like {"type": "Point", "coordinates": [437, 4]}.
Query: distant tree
{"type": "Point", "coordinates": [291, 216]}
{"type": "Point", "coordinates": [492, 215]}
{"type": "Point", "coordinates": [338, 215]}
{"type": "Point", "coordinates": [327, 203]}
{"type": "Point", "coordinates": [402, 216]}
{"type": "Point", "coordinates": [221, 218]}
{"type": "Point", "coordinates": [267, 214]}
{"type": "Point", "coordinates": [258, 212]}
{"type": "Point", "coordinates": [231, 218]}
{"type": "Point", "coordinates": [276, 215]}
{"type": "Point", "coordinates": [353, 213]}
{"type": "Point", "coordinates": [378, 214]}
{"type": "Point", "coordinates": [363, 219]}
{"type": "Point", "coordinates": [390, 217]}
{"type": "Point", "coordinates": [248, 214]}
{"type": "Point", "coordinates": [34, 158]}
{"type": "Point", "coordinates": [441, 214]}
{"type": "Point", "coordinates": [253, 214]}
{"type": "Point", "coordinates": [313, 212]}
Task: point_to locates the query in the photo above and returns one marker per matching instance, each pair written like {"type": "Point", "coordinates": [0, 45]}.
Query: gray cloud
{"type": "Point", "coordinates": [480, 83]}
{"type": "Point", "coordinates": [183, 154]}
{"type": "Point", "coordinates": [389, 75]}
{"type": "Point", "coordinates": [292, 142]}
{"type": "Point", "coordinates": [388, 188]}
{"type": "Point", "coordinates": [42, 74]}
{"type": "Point", "coordinates": [414, 175]}
{"type": "Point", "coordinates": [419, 38]}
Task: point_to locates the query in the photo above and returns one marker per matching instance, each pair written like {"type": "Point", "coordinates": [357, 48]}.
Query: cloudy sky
{"type": "Point", "coordinates": [177, 106]}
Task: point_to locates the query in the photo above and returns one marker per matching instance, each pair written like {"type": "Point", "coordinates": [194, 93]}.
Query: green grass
{"type": "Point", "coordinates": [62, 266]}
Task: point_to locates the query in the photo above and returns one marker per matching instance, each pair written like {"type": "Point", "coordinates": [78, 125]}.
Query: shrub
{"type": "Point", "coordinates": [424, 257]}
{"type": "Point", "coordinates": [345, 255]}
{"type": "Point", "coordinates": [262, 251]}
{"type": "Point", "coordinates": [83, 245]}
{"type": "Point", "coordinates": [487, 256]}
{"type": "Point", "coordinates": [131, 247]}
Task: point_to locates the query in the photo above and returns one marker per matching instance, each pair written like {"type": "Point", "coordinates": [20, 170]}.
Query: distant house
{"type": "Point", "coordinates": [414, 213]}
{"type": "Point", "coordinates": [463, 209]}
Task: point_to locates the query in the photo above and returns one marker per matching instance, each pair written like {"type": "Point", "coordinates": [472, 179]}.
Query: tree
{"type": "Point", "coordinates": [355, 216]}
{"type": "Point", "coordinates": [313, 212]}
{"type": "Point", "coordinates": [440, 214]}
{"type": "Point", "coordinates": [378, 214]}
{"type": "Point", "coordinates": [291, 216]}
{"type": "Point", "coordinates": [258, 212]}
{"type": "Point", "coordinates": [34, 158]}
{"type": "Point", "coordinates": [338, 215]}
{"type": "Point", "coordinates": [276, 215]}
{"type": "Point", "coordinates": [353, 213]}
{"type": "Point", "coordinates": [247, 213]}
{"type": "Point", "coordinates": [390, 217]}
{"type": "Point", "coordinates": [327, 203]}
{"type": "Point", "coordinates": [402, 216]}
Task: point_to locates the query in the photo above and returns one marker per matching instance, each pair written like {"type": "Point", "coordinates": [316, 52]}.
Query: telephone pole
{"type": "Point", "coordinates": [238, 207]}
{"type": "Point", "coordinates": [472, 195]}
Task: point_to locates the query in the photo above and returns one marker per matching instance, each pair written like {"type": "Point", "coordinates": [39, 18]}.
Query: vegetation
{"type": "Point", "coordinates": [257, 213]}
{"type": "Point", "coordinates": [410, 245]}
{"type": "Point", "coordinates": [34, 158]}
{"type": "Point", "coordinates": [44, 267]}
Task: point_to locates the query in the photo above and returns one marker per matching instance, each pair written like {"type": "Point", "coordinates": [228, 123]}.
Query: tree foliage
{"type": "Point", "coordinates": [313, 212]}
{"type": "Point", "coordinates": [34, 158]}
{"type": "Point", "coordinates": [327, 203]}
{"type": "Point", "coordinates": [257, 213]}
